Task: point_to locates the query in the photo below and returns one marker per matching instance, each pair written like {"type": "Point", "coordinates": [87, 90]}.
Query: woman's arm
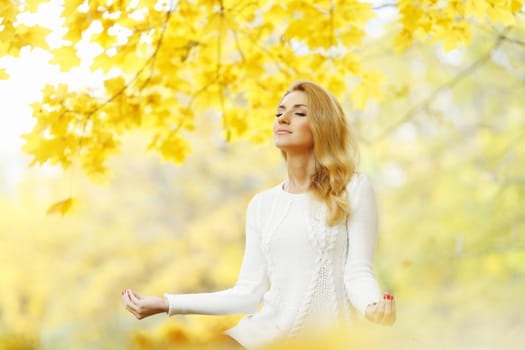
{"type": "Point", "coordinates": [361, 286]}
{"type": "Point", "coordinates": [244, 297]}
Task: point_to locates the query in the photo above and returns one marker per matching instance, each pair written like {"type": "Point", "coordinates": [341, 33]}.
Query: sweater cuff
{"type": "Point", "coordinates": [361, 300]}
{"type": "Point", "coordinates": [365, 303]}
{"type": "Point", "coordinates": [170, 300]}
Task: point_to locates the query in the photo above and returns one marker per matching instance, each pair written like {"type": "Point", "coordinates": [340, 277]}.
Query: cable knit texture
{"type": "Point", "coordinates": [298, 274]}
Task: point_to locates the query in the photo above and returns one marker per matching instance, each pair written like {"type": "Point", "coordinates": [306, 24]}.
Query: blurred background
{"type": "Point", "coordinates": [445, 150]}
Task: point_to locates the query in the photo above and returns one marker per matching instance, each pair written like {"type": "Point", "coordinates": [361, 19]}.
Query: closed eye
{"type": "Point", "coordinates": [299, 114]}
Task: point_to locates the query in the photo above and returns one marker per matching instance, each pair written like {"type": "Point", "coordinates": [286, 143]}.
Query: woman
{"type": "Point", "coordinates": [311, 238]}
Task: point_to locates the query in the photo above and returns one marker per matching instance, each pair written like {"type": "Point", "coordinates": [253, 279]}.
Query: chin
{"type": "Point", "coordinates": [282, 146]}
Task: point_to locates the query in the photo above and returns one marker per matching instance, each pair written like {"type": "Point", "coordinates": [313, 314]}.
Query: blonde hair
{"type": "Point", "coordinates": [335, 149]}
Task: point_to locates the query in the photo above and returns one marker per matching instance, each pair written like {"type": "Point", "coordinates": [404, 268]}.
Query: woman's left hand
{"type": "Point", "coordinates": [383, 312]}
{"type": "Point", "coordinates": [143, 306]}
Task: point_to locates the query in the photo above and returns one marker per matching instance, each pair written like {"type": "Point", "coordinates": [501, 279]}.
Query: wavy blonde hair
{"type": "Point", "coordinates": [335, 149]}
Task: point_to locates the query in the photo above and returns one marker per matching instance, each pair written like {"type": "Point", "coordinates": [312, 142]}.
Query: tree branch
{"type": "Point", "coordinates": [504, 36]}
{"type": "Point", "coordinates": [157, 47]}
{"type": "Point", "coordinates": [219, 65]}
{"type": "Point", "coordinates": [238, 45]}
{"type": "Point", "coordinates": [149, 61]}
{"type": "Point", "coordinates": [449, 84]}
{"type": "Point", "coordinates": [382, 6]}
{"type": "Point", "coordinates": [512, 40]}
{"type": "Point", "coordinates": [332, 30]}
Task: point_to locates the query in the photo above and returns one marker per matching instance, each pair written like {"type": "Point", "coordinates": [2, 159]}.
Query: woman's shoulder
{"type": "Point", "coordinates": [359, 184]}
{"type": "Point", "coordinates": [263, 199]}
{"type": "Point", "coordinates": [269, 192]}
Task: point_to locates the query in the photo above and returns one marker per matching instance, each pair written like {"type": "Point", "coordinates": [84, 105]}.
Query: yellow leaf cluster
{"type": "Point", "coordinates": [450, 21]}
{"type": "Point", "coordinates": [337, 23]}
{"type": "Point", "coordinates": [235, 59]}
{"type": "Point", "coordinates": [15, 37]}
{"type": "Point", "coordinates": [171, 146]}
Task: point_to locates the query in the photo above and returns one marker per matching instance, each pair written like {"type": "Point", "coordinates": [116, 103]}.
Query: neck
{"type": "Point", "coordinates": [301, 168]}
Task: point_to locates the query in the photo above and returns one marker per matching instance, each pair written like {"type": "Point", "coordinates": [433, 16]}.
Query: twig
{"type": "Point", "coordinates": [238, 45]}
{"type": "Point", "coordinates": [128, 84]}
{"type": "Point", "coordinates": [463, 74]}
{"type": "Point", "coordinates": [379, 7]}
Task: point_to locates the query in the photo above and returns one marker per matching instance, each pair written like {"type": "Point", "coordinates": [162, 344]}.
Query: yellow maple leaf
{"type": "Point", "coordinates": [457, 34]}
{"type": "Point", "coordinates": [33, 5]}
{"type": "Point", "coordinates": [476, 8]}
{"type": "Point", "coordinates": [403, 40]}
{"type": "Point", "coordinates": [66, 57]}
{"type": "Point", "coordinates": [62, 207]}
{"type": "Point", "coordinates": [35, 36]}
{"type": "Point", "coordinates": [114, 85]}
{"type": "Point", "coordinates": [174, 147]}
{"type": "Point", "coordinates": [104, 39]}
{"type": "Point", "coordinates": [352, 37]}
{"type": "Point", "coordinates": [355, 12]}
{"type": "Point", "coordinates": [3, 74]}
{"type": "Point", "coordinates": [351, 63]}
{"type": "Point", "coordinates": [516, 5]}
{"type": "Point", "coordinates": [235, 123]}
{"type": "Point", "coordinates": [32, 145]}
{"type": "Point", "coordinates": [501, 14]}
{"type": "Point", "coordinates": [370, 87]}
{"type": "Point", "coordinates": [103, 62]}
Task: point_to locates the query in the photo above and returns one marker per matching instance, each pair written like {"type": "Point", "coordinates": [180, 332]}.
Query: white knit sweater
{"type": "Point", "coordinates": [312, 270]}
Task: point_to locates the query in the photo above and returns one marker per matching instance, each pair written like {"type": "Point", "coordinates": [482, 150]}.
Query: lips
{"type": "Point", "coordinates": [282, 131]}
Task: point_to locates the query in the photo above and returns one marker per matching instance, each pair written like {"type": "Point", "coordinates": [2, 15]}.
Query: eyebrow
{"type": "Point", "coordinates": [297, 105]}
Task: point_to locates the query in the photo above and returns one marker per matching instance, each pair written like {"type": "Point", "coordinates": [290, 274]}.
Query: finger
{"type": "Point", "coordinates": [128, 302]}
{"type": "Point", "coordinates": [133, 311]}
{"type": "Point", "coordinates": [393, 310]}
{"type": "Point", "coordinates": [388, 311]}
{"type": "Point", "coordinates": [125, 297]}
{"type": "Point", "coordinates": [133, 296]}
{"type": "Point", "coordinates": [380, 311]}
{"type": "Point", "coordinates": [371, 311]}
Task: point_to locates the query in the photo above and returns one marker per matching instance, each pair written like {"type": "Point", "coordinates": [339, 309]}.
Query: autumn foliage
{"type": "Point", "coordinates": [435, 90]}
{"type": "Point", "coordinates": [166, 61]}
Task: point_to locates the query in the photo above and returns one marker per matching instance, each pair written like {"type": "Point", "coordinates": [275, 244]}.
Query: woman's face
{"type": "Point", "coordinates": [291, 128]}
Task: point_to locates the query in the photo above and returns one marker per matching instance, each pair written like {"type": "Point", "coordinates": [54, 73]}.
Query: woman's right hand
{"type": "Point", "coordinates": [143, 306]}
{"type": "Point", "coordinates": [383, 312]}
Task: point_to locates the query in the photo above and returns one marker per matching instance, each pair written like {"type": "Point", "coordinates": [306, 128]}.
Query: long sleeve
{"type": "Point", "coordinates": [251, 285]}
{"type": "Point", "coordinates": [360, 283]}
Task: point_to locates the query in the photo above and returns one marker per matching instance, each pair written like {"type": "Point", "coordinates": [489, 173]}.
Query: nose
{"type": "Point", "coordinates": [284, 118]}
